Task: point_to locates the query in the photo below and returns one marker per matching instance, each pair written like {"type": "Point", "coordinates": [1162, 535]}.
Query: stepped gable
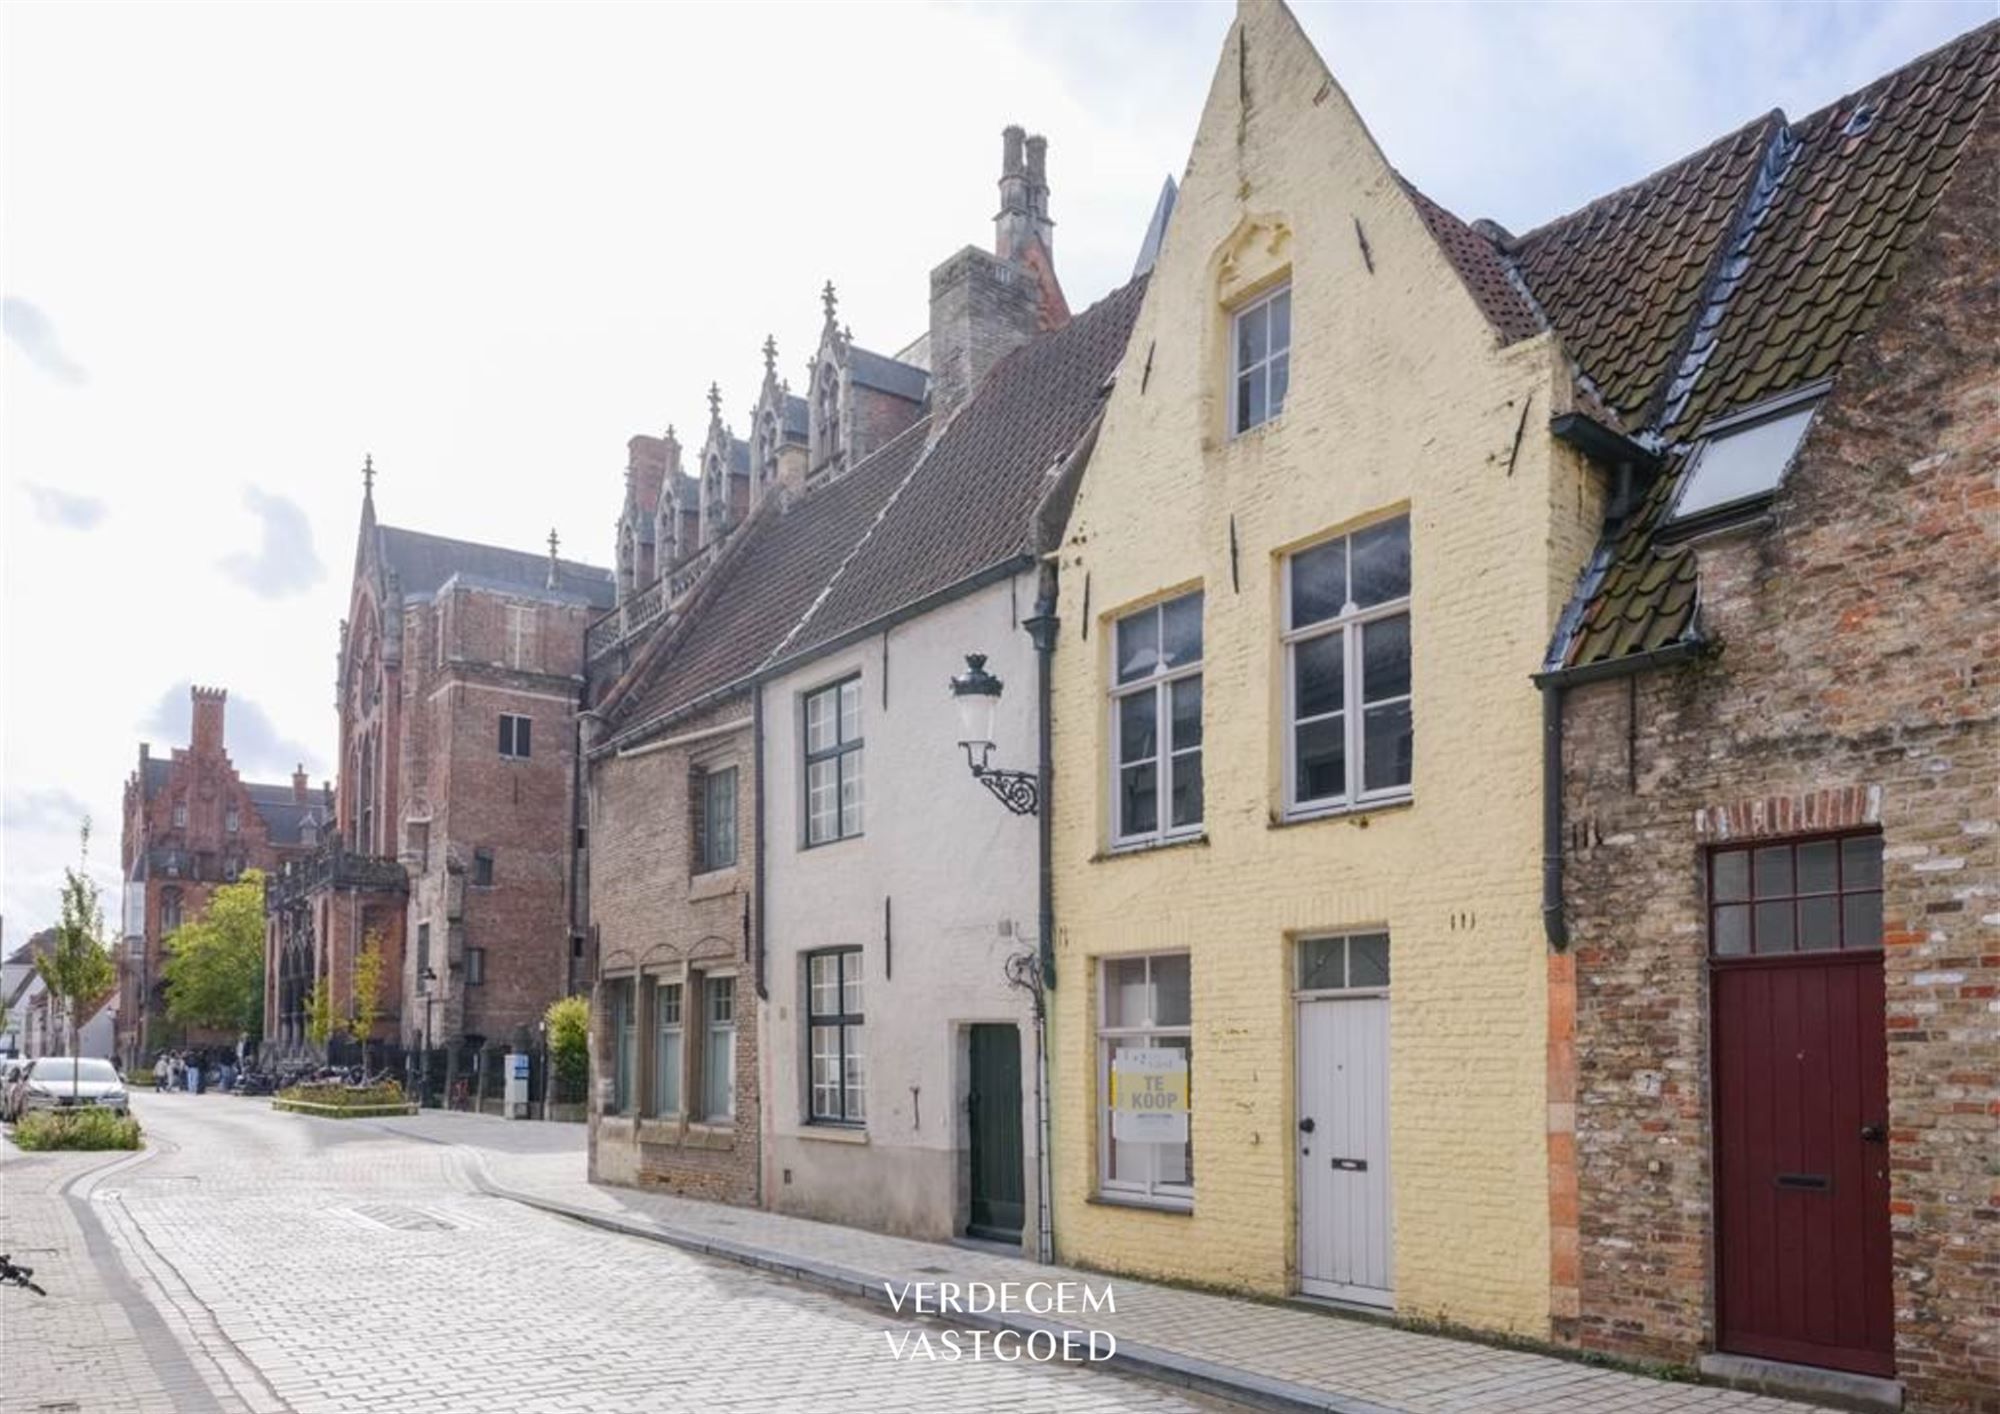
{"type": "Point", "coordinates": [1811, 267]}
{"type": "Point", "coordinates": [971, 504]}
{"type": "Point", "coordinates": [780, 563]}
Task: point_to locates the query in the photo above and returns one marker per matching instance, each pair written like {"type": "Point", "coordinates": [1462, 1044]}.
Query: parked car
{"type": "Point", "coordinates": [11, 1070]}
{"type": "Point", "coordinates": [63, 1083]}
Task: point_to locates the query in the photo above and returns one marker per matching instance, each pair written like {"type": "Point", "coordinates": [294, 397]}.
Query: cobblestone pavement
{"type": "Point", "coordinates": [298, 1264]}
{"type": "Point", "coordinates": [1360, 1362]}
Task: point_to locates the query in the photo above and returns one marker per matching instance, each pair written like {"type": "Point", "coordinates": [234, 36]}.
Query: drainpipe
{"type": "Point", "coordinates": [1554, 926]}
{"type": "Point", "coordinates": [757, 808]}
{"type": "Point", "coordinates": [1042, 628]}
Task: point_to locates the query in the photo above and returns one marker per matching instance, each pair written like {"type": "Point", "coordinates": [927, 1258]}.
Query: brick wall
{"type": "Point", "coordinates": [1856, 682]}
{"type": "Point", "coordinates": [654, 919]}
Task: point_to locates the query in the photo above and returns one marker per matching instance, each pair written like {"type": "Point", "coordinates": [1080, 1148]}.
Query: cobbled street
{"type": "Point", "coordinates": [255, 1261]}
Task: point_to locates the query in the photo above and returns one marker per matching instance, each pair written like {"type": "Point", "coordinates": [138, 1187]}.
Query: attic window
{"type": "Point", "coordinates": [1860, 120]}
{"type": "Point", "coordinates": [1738, 464]}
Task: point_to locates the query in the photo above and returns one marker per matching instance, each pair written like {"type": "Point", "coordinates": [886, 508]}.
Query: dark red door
{"type": "Point", "coordinates": [1802, 1161]}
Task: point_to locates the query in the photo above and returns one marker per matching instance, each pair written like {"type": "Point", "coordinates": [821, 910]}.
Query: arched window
{"type": "Point", "coordinates": [826, 423]}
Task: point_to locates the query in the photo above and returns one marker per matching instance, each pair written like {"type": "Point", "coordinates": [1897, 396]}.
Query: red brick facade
{"type": "Point", "coordinates": [1853, 685]}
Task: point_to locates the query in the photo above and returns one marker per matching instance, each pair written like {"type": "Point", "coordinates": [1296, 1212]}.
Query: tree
{"type": "Point", "coordinates": [215, 964]}
{"type": "Point", "coordinates": [78, 969]}
{"type": "Point", "coordinates": [568, 1021]}
{"type": "Point", "coordinates": [367, 1007]}
{"type": "Point", "coordinates": [319, 1012]}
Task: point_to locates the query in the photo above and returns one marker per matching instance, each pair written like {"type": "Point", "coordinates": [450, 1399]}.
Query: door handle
{"type": "Point", "coordinates": [1874, 1133]}
{"type": "Point", "coordinates": [1306, 1125]}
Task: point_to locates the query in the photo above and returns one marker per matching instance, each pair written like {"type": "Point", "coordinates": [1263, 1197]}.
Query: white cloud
{"type": "Point", "coordinates": [65, 509]}
{"type": "Point", "coordinates": [32, 332]}
{"type": "Point", "coordinates": [284, 563]}
{"type": "Point", "coordinates": [489, 243]}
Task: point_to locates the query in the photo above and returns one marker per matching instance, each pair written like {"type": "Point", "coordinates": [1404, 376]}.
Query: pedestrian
{"type": "Point", "coordinates": [160, 1072]}
{"type": "Point", "coordinates": [193, 1072]}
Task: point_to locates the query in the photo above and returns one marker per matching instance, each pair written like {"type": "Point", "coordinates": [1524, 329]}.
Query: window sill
{"type": "Point", "coordinates": [1134, 1200]}
{"type": "Point", "coordinates": [829, 844]}
{"type": "Point", "coordinates": [709, 1134]}
{"type": "Point", "coordinates": [714, 884]}
{"type": "Point", "coordinates": [1353, 814]}
{"type": "Point", "coordinates": [834, 1133]}
{"type": "Point", "coordinates": [1149, 847]}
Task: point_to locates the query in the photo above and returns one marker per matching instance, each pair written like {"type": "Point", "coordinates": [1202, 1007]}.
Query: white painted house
{"type": "Point", "coordinates": [901, 891]}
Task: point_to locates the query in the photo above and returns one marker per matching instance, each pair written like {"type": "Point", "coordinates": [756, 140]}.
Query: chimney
{"type": "Point", "coordinates": [208, 706]}
{"type": "Point", "coordinates": [1014, 222]}
{"type": "Point", "coordinates": [299, 790]}
{"type": "Point", "coordinates": [983, 306]}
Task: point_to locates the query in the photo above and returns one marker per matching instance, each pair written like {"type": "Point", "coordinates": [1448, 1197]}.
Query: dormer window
{"type": "Point", "coordinates": [180, 814]}
{"type": "Point", "coordinates": [231, 821]}
{"type": "Point", "coordinates": [1738, 461]}
{"type": "Point", "coordinates": [1260, 359]}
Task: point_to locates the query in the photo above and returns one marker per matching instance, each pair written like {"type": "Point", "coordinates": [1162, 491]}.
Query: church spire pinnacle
{"type": "Point", "coordinates": [714, 402]}
{"type": "Point", "coordinates": [829, 300]}
{"type": "Point", "coordinates": [770, 354]}
{"type": "Point", "coordinates": [555, 565]}
{"type": "Point", "coordinates": [368, 476]}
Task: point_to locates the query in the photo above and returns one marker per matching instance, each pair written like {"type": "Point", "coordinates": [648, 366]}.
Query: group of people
{"type": "Point", "coordinates": [192, 1071]}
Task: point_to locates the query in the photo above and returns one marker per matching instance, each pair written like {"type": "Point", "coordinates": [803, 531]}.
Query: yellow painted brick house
{"type": "Point", "coordinates": [1317, 555]}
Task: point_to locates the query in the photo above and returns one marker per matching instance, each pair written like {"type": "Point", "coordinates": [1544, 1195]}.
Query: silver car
{"type": "Point", "coordinates": [61, 1083]}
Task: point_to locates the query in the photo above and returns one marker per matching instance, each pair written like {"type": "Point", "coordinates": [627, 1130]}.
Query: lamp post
{"type": "Point", "coordinates": [976, 693]}
{"type": "Point", "coordinates": [427, 977]}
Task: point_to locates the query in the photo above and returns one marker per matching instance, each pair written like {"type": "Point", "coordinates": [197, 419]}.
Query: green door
{"type": "Point", "coordinates": [994, 1117]}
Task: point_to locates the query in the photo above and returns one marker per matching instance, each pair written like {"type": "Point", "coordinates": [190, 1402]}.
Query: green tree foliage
{"type": "Point", "coordinates": [319, 1012]}
{"type": "Point", "coordinates": [78, 969]}
{"type": "Point", "coordinates": [367, 1007]}
{"type": "Point", "coordinates": [568, 1021]}
{"type": "Point", "coordinates": [215, 964]}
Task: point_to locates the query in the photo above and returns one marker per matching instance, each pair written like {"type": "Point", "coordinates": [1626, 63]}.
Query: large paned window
{"type": "Point", "coordinates": [667, 1034]}
{"type": "Point", "coordinates": [833, 1037]}
{"type": "Point", "coordinates": [715, 824]}
{"type": "Point", "coordinates": [1156, 723]}
{"type": "Point", "coordinates": [1144, 1006]}
{"type": "Point", "coordinates": [1260, 359]}
{"type": "Point", "coordinates": [623, 1026]}
{"type": "Point", "coordinates": [515, 731]}
{"type": "Point", "coordinates": [1796, 896]}
{"type": "Point", "coordinates": [833, 762]}
{"type": "Point", "coordinates": [1348, 732]}
{"type": "Point", "coordinates": [718, 1058]}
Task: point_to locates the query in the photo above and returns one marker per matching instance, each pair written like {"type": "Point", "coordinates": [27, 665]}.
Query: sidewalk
{"type": "Point", "coordinates": [1274, 1356]}
{"type": "Point", "coordinates": [92, 1343]}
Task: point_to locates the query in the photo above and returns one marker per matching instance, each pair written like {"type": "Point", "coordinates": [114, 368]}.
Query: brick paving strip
{"type": "Point", "coordinates": [1262, 1354]}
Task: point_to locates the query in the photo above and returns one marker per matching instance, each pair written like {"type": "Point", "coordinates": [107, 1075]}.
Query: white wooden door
{"type": "Point", "coordinates": [1343, 1145]}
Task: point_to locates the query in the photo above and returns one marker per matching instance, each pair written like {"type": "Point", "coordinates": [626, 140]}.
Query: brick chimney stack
{"type": "Point", "coordinates": [300, 790]}
{"type": "Point", "coordinates": [208, 710]}
{"type": "Point", "coordinates": [983, 306]}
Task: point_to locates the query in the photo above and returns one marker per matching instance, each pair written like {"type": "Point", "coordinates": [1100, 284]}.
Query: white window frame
{"type": "Point", "coordinates": [622, 1021]}
{"type": "Point", "coordinates": [1350, 622]}
{"type": "Point", "coordinates": [1346, 987]}
{"type": "Point", "coordinates": [511, 742]}
{"type": "Point", "coordinates": [1153, 1191]}
{"type": "Point", "coordinates": [710, 1029]}
{"type": "Point", "coordinates": [843, 747]}
{"type": "Point", "coordinates": [1161, 683]}
{"type": "Point", "coordinates": [1262, 367]}
{"type": "Point", "coordinates": [663, 1029]}
{"type": "Point", "coordinates": [849, 1024]}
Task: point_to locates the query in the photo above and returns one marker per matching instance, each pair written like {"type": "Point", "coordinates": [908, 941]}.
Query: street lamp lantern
{"type": "Point", "coordinates": [976, 694]}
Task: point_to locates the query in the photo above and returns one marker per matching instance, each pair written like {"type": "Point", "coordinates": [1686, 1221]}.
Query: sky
{"type": "Point", "coordinates": [243, 245]}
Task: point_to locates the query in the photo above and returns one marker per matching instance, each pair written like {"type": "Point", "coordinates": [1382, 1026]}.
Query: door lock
{"type": "Point", "coordinates": [1306, 1125]}
{"type": "Point", "coordinates": [1874, 1133]}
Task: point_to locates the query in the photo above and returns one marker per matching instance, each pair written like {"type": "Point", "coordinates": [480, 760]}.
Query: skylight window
{"type": "Point", "coordinates": [1743, 462]}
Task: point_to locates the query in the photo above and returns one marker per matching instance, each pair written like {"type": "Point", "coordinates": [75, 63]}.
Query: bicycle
{"type": "Point", "coordinates": [11, 1275]}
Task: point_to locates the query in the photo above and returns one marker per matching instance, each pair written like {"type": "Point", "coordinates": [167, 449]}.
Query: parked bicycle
{"type": "Point", "coordinates": [11, 1275]}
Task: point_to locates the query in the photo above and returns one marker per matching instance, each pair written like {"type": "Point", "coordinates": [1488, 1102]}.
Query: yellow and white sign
{"type": "Point", "coordinates": [1149, 1095]}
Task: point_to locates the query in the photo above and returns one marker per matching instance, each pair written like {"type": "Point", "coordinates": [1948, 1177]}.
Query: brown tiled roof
{"type": "Point", "coordinates": [781, 561]}
{"type": "Point", "coordinates": [971, 504]}
{"type": "Point", "coordinates": [1623, 279]}
{"type": "Point", "coordinates": [1859, 178]}
{"type": "Point", "coordinates": [1811, 257]}
{"type": "Point", "coordinates": [1499, 296]}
